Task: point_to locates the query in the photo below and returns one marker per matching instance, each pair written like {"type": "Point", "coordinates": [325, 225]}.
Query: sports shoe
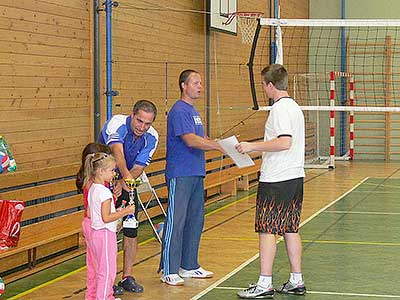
{"type": "Point", "coordinates": [197, 273]}
{"type": "Point", "coordinates": [129, 284]}
{"type": "Point", "coordinates": [255, 291]}
{"type": "Point", "coordinates": [172, 279]}
{"type": "Point", "coordinates": [292, 288]}
{"type": "Point", "coordinates": [118, 290]}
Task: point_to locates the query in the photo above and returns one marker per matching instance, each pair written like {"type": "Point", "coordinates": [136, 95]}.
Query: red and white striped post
{"type": "Point", "coordinates": [332, 121]}
{"type": "Point", "coordinates": [351, 100]}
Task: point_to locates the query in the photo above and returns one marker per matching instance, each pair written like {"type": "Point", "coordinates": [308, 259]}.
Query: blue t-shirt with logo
{"type": "Point", "coordinates": [136, 152]}
{"type": "Point", "coordinates": [183, 160]}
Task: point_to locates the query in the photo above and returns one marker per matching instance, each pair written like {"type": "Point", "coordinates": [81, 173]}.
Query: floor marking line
{"type": "Point", "coordinates": [44, 284]}
{"type": "Point", "coordinates": [383, 185]}
{"type": "Point", "coordinates": [351, 243]}
{"type": "Point", "coordinates": [323, 293]}
{"type": "Point", "coordinates": [229, 239]}
{"type": "Point", "coordinates": [377, 191]}
{"type": "Point", "coordinates": [250, 260]}
{"type": "Point", "coordinates": [360, 212]}
{"type": "Point", "coordinates": [353, 294]}
{"type": "Point", "coordinates": [230, 204]}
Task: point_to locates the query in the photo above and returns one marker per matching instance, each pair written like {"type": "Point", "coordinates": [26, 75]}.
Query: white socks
{"type": "Point", "coordinates": [296, 277]}
{"type": "Point", "coordinates": [265, 281]}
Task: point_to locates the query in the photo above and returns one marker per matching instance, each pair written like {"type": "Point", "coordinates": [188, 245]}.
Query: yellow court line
{"type": "Point", "coordinates": [383, 185]}
{"type": "Point", "coordinates": [352, 243]}
{"type": "Point", "coordinates": [251, 259]}
{"type": "Point", "coordinates": [119, 252]}
{"type": "Point", "coordinates": [230, 204]}
{"type": "Point", "coordinates": [228, 238]}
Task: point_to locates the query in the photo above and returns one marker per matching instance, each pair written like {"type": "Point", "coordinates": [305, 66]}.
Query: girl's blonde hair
{"type": "Point", "coordinates": [96, 161]}
{"type": "Point", "coordinates": [89, 149]}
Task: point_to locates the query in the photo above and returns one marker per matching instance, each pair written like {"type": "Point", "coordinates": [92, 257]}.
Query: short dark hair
{"type": "Point", "coordinates": [184, 77]}
{"type": "Point", "coordinates": [277, 75]}
{"type": "Point", "coordinates": [146, 106]}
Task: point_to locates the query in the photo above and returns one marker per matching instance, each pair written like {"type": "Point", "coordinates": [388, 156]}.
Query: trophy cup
{"type": "Point", "coordinates": [113, 181]}
{"type": "Point", "coordinates": [130, 221]}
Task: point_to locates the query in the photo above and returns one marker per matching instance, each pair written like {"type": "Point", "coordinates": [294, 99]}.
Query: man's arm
{"type": "Point", "coordinates": [117, 150]}
{"type": "Point", "coordinates": [278, 144]}
{"type": "Point", "coordinates": [137, 170]}
{"type": "Point", "coordinates": [194, 141]}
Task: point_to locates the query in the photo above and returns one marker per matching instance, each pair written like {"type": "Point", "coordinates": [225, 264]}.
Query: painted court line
{"type": "Point", "coordinates": [377, 192]}
{"type": "Point", "coordinates": [359, 212]}
{"type": "Point", "coordinates": [354, 294]}
{"type": "Point", "coordinates": [323, 293]}
{"type": "Point", "coordinates": [119, 253]}
{"type": "Point", "coordinates": [383, 185]}
{"type": "Point", "coordinates": [351, 243]}
{"type": "Point", "coordinates": [250, 260]}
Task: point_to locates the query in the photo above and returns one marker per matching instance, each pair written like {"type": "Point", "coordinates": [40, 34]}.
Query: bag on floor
{"type": "Point", "coordinates": [10, 218]}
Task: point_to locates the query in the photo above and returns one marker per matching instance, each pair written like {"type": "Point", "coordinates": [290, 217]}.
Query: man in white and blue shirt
{"type": "Point", "coordinates": [132, 141]}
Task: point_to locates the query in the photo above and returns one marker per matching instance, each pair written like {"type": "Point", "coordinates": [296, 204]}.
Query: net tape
{"type": "Point", "coordinates": [342, 108]}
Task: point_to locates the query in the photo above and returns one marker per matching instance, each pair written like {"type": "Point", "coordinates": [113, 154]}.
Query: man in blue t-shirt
{"type": "Point", "coordinates": [185, 173]}
{"type": "Point", "coordinates": [132, 141]}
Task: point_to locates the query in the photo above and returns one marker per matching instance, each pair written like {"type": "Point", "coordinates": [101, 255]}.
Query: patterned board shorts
{"type": "Point", "coordinates": [278, 206]}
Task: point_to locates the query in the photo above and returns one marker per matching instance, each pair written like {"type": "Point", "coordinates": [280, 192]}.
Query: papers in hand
{"type": "Point", "coordinates": [241, 160]}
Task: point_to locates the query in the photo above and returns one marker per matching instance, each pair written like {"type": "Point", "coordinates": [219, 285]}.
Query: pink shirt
{"type": "Point", "coordinates": [97, 194]}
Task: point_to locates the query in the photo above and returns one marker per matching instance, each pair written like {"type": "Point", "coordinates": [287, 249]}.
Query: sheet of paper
{"type": "Point", "coordinates": [241, 160]}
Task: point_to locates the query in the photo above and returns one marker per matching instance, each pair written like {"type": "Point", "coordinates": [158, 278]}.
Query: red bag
{"type": "Point", "coordinates": [10, 217]}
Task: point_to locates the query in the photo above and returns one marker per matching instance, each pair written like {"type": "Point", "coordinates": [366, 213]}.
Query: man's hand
{"type": "Point", "coordinates": [117, 189]}
{"type": "Point", "coordinates": [244, 147]}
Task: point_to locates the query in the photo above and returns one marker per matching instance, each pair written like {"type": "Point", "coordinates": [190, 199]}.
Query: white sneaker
{"type": "Point", "coordinates": [172, 279]}
{"type": "Point", "coordinates": [255, 291]}
{"type": "Point", "coordinates": [197, 273]}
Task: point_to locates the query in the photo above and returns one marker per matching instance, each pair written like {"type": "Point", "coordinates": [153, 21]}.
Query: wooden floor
{"type": "Point", "coordinates": [228, 239]}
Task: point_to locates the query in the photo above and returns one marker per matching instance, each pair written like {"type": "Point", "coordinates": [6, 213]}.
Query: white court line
{"type": "Point", "coordinates": [354, 294]}
{"type": "Point", "coordinates": [250, 260]}
{"type": "Point", "coordinates": [377, 192]}
{"type": "Point", "coordinates": [359, 212]}
{"type": "Point", "coordinates": [321, 293]}
{"type": "Point", "coordinates": [383, 185]}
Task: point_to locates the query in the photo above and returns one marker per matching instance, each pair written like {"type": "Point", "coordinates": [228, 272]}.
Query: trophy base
{"type": "Point", "coordinates": [130, 223]}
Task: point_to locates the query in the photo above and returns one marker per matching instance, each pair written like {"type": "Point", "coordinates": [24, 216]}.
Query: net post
{"type": "Point", "coordinates": [351, 100]}
{"type": "Point", "coordinates": [332, 121]}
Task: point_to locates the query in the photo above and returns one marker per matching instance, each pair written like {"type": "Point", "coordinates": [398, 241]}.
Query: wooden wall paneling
{"type": "Point", "coordinates": [45, 65]}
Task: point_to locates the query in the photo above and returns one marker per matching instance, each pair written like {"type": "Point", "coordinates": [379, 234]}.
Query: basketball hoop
{"type": "Point", "coordinates": [247, 23]}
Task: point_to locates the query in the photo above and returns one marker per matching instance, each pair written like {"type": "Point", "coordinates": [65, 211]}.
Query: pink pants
{"type": "Point", "coordinates": [90, 262]}
{"type": "Point", "coordinates": [103, 244]}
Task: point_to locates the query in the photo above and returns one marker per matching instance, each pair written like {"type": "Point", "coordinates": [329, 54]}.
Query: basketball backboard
{"type": "Point", "coordinates": [219, 14]}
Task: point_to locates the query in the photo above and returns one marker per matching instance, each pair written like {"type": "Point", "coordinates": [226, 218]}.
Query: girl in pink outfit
{"type": "Point", "coordinates": [102, 241]}
{"type": "Point", "coordinates": [86, 222]}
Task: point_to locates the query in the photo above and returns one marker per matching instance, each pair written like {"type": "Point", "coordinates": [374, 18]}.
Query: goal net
{"type": "Point", "coordinates": [362, 51]}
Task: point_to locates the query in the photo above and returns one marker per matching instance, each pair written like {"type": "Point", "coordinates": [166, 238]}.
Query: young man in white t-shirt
{"type": "Point", "coordinates": [280, 190]}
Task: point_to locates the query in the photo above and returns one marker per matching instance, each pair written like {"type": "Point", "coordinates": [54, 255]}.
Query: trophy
{"type": "Point", "coordinates": [113, 181]}
{"type": "Point", "coordinates": [132, 184]}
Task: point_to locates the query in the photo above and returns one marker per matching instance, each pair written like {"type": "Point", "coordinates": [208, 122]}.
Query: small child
{"type": "Point", "coordinates": [99, 168]}
{"type": "Point", "coordinates": [87, 223]}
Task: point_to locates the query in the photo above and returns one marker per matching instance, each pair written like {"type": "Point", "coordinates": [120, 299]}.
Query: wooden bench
{"type": "Point", "coordinates": [249, 175]}
{"type": "Point", "coordinates": [219, 183]}
{"type": "Point", "coordinates": [51, 221]}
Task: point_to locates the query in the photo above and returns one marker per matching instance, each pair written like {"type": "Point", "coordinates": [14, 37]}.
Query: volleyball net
{"type": "Point", "coordinates": [345, 75]}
